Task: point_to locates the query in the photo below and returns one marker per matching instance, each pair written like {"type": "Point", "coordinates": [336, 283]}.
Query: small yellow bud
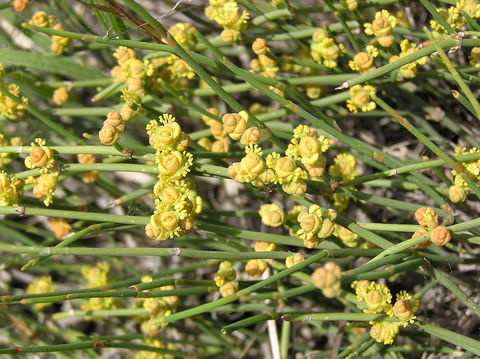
{"type": "Point", "coordinates": [108, 135]}
{"type": "Point", "coordinates": [221, 145]}
{"type": "Point", "coordinates": [326, 229]}
{"type": "Point", "coordinates": [262, 246]}
{"type": "Point", "coordinates": [41, 286]}
{"type": "Point", "coordinates": [252, 163]}
{"type": "Point", "coordinates": [427, 217]}
{"type": "Point", "coordinates": [293, 260]}
{"type": "Point", "coordinates": [60, 96]}
{"type": "Point", "coordinates": [229, 35]}
{"type": "Point", "coordinates": [295, 188]}
{"type": "Point", "coordinates": [309, 222]}
{"type": "Point", "coordinates": [421, 232]}
{"type": "Point", "coordinates": [123, 54]}
{"type": "Point", "coordinates": [256, 267]}
{"type": "Point", "coordinates": [381, 27]}
{"type": "Point", "coordinates": [384, 332]}
{"type": "Point", "coordinates": [251, 136]}
{"type": "Point", "coordinates": [60, 227]}
{"type": "Point", "coordinates": [115, 119]}
{"type": "Point", "coordinates": [260, 46]}
{"type": "Point", "coordinates": [183, 33]}
{"type": "Point", "coordinates": [206, 143]}
{"type": "Point", "coordinates": [11, 190]}
{"type": "Point", "coordinates": [218, 130]}
{"type": "Point", "coordinates": [39, 157]}
{"type": "Point", "coordinates": [313, 91]}
{"type": "Point", "coordinates": [402, 309]}
{"type": "Point", "coordinates": [127, 112]}
{"type": "Point", "coordinates": [440, 235]}
{"type": "Point", "coordinates": [285, 167]}
{"type": "Point", "coordinates": [229, 289]}
{"type": "Point", "coordinates": [327, 279]}
{"type": "Point", "coordinates": [312, 242]}
{"type": "Point", "coordinates": [45, 185]}
{"type": "Point", "coordinates": [234, 124]}
{"type": "Point", "coordinates": [457, 194]}
{"type": "Point", "coordinates": [207, 119]}
{"type": "Point", "coordinates": [272, 215]}
{"type": "Point", "coordinates": [20, 5]}
{"type": "Point", "coordinates": [362, 62]}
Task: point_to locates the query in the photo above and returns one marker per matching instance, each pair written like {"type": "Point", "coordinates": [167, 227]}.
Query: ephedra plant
{"type": "Point", "coordinates": [239, 179]}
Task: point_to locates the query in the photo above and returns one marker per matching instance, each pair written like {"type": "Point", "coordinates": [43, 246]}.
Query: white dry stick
{"type": "Point", "coordinates": [272, 329]}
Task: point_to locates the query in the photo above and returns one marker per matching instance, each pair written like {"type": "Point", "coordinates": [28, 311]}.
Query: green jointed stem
{"type": "Point", "coordinates": [54, 126]}
{"type": "Point", "coordinates": [460, 340]}
{"type": "Point", "coordinates": [121, 294]}
{"type": "Point", "coordinates": [274, 278]}
{"type": "Point", "coordinates": [95, 228]}
{"type": "Point", "coordinates": [153, 252]}
{"type": "Point", "coordinates": [451, 68]}
{"type": "Point", "coordinates": [409, 168]}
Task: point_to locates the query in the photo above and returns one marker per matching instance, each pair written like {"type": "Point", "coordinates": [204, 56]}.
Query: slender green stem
{"type": "Point", "coordinates": [456, 339]}
{"type": "Point", "coordinates": [154, 252]}
{"type": "Point", "coordinates": [274, 278]}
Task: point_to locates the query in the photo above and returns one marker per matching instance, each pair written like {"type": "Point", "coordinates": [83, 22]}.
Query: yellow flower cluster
{"type": "Point", "coordinates": [41, 156]}
{"type": "Point", "coordinates": [428, 218]}
{"type": "Point", "coordinates": [458, 192]}
{"type": "Point", "coordinates": [158, 308]}
{"type": "Point", "coordinates": [111, 129]}
{"type": "Point", "coordinates": [348, 238]}
{"type": "Point", "coordinates": [173, 70]}
{"type": "Point", "coordinates": [143, 354]}
{"type": "Point", "coordinates": [183, 33]}
{"type": "Point", "coordinates": [226, 14]}
{"type": "Point", "coordinates": [325, 50]}
{"type": "Point", "coordinates": [382, 28]}
{"type": "Point", "coordinates": [376, 298]}
{"type": "Point", "coordinates": [135, 74]}
{"type": "Point", "coordinates": [327, 278]}
{"type": "Point", "coordinates": [454, 15]}
{"type": "Point", "coordinates": [232, 125]}
{"type": "Point", "coordinates": [256, 267]}
{"type": "Point", "coordinates": [176, 201]}
{"type": "Point", "coordinates": [294, 260]}
{"type": "Point", "coordinates": [308, 147]}
{"type": "Point", "coordinates": [316, 224]}
{"type": "Point", "coordinates": [305, 147]}
{"type": "Point", "coordinates": [91, 176]}
{"type": "Point", "coordinates": [8, 107]}
{"type": "Point", "coordinates": [59, 43]}
{"type": "Point", "coordinates": [44, 186]}
{"type": "Point", "coordinates": [344, 168]}
{"type": "Point", "coordinates": [5, 157]}
{"type": "Point", "coordinates": [41, 286]}
{"type": "Point", "coordinates": [60, 227]}
{"type": "Point", "coordinates": [20, 5]}
{"type": "Point", "coordinates": [264, 66]}
{"type": "Point", "coordinates": [475, 57]}
{"type": "Point", "coordinates": [272, 215]}
{"type": "Point", "coordinates": [60, 96]}
{"type": "Point", "coordinates": [363, 61]}
{"type": "Point", "coordinates": [409, 70]}
{"type": "Point", "coordinates": [225, 279]}
{"type": "Point", "coordinates": [361, 98]}
{"type": "Point", "coordinates": [97, 276]}
{"type": "Point", "coordinates": [351, 5]}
